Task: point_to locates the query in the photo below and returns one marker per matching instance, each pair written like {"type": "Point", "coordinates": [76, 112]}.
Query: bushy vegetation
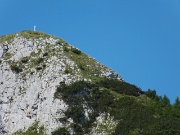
{"type": "Point", "coordinates": [33, 130]}
{"type": "Point", "coordinates": [81, 66]}
{"type": "Point", "coordinates": [133, 117]}
{"type": "Point", "coordinates": [72, 49]}
{"type": "Point", "coordinates": [24, 59]}
{"type": "Point", "coordinates": [66, 49]}
{"type": "Point", "coordinates": [75, 96]}
{"type": "Point", "coordinates": [15, 68]}
{"type": "Point", "coordinates": [66, 71]}
{"type": "Point", "coordinates": [60, 131]}
{"type": "Point", "coordinates": [120, 87]}
{"type": "Point", "coordinates": [25, 65]}
{"type": "Point", "coordinates": [7, 56]}
{"type": "Point", "coordinates": [75, 50]}
{"type": "Point", "coordinates": [45, 54]}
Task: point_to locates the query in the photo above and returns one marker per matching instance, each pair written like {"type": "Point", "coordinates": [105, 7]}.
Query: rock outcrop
{"type": "Point", "coordinates": [32, 65]}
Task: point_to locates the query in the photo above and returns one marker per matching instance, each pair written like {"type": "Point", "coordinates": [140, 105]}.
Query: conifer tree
{"type": "Point", "coordinates": [177, 103]}
{"type": "Point", "coordinates": [165, 101]}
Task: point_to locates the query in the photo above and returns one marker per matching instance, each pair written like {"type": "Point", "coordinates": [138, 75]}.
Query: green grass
{"type": "Point", "coordinates": [9, 38]}
{"type": "Point", "coordinates": [90, 69]}
{"type": "Point", "coordinates": [27, 34]}
{"type": "Point", "coordinates": [117, 95]}
{"type": "Point", "coordinates": [35, 34]}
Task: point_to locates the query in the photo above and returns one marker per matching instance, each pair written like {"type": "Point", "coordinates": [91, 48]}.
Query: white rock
{"type": "Point", "coordinates": [25, 100]}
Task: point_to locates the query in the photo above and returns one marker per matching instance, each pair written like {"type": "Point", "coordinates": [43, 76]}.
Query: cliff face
{"type": "Point", "coordinates": [32, 65]}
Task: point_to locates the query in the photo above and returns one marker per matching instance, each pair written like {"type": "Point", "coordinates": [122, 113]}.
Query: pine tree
{"type": "Point", "coordinates": [176, 103]}
{"type": "Point", "coordinates": [165, 101]}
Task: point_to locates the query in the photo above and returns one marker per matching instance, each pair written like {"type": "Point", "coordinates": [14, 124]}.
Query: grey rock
{"type": "Point", "coordinates": [30, 98]}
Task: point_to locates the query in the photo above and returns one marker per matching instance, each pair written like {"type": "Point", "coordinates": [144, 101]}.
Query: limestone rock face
{"type": "Point", "coordinates": [30, 70]}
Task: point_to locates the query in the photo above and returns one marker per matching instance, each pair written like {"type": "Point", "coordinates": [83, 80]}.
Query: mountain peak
{"type": "Point", "coordinates": [31, 45]}
{"type": "Point", "coordinates": [32, 65]}
{"type": "Point", "coordinates": [48, 86]}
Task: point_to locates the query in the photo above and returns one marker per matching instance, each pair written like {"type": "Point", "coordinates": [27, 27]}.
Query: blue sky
{"type": "Point", "coordinates": [138, 39]}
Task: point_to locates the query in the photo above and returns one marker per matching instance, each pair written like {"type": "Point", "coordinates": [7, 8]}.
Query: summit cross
{"type": "Point", "coordinates": [34, 28]}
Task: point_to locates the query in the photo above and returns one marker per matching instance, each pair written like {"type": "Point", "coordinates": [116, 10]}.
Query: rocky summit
{"type": "Point", "coordinates": [32, 66]}
{"type": "Point", "coordinates": [49, 87]}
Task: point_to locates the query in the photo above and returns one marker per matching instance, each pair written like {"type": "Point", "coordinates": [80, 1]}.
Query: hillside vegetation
{"type": "Point", "coordinates": [136, 112]}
